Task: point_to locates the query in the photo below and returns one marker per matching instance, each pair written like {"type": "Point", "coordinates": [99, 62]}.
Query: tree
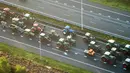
{"type": "Point", "coordinates": [4, 65]}
{"type": "Point", "coordinates": [20, 69]}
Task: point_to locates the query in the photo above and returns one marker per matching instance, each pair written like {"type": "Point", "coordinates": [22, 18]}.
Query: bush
{"type": "Point", "coordinates": [4, 65]}
{"type": "Point", "coordinates": [20, 69]}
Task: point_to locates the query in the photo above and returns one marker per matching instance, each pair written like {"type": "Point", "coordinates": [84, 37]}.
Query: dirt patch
{"type": "Point", "coordinates": [30, 66]}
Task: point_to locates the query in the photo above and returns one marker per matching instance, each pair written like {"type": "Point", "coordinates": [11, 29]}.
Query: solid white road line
{"type": "Point", "coordinates": [57, 54]}
{"type": "Point", "coordinates": [102, 8]}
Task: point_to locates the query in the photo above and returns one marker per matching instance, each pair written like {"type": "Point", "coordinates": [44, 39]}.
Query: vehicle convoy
{"type": "Point", "coordinates": [63, 45]}
{"type": "Point", "coordinates": [53, 35]}
{"type": "Point", "coordinates": [88, 37]}
{"type": "Point", "coordinates": [108, 58]}
{"type": "Point", "coordinates": [68, 31]}
{"type": "Point", "coordinates": [25, 25]}
{"type": "Point", "coordinates": [126, 64]}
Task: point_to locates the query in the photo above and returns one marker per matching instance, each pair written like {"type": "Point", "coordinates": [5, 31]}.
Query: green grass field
{"type": "Point", "coordinates": [122, 5]}
{"type": "Point", "coordinates": [18, 52]}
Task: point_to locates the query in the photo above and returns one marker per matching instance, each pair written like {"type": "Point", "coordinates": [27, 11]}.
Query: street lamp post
{"type": "Point", "coordinates": [40, 46]}
{"type": "Point", "coordinates": [81, 14]}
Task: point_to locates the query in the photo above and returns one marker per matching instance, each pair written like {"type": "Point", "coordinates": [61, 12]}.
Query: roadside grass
{"type": "Point", "coordinates": [62, 23]}
{"type": "Point", "coordinates": [114, 3]}
{"type": "Point", "coordinates": [18, 52]}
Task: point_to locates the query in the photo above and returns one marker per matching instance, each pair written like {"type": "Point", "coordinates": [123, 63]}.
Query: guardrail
{"type": "Point", "coordinates": [65, 20]}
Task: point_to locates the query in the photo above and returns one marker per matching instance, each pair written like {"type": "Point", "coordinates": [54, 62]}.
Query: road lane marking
{"type": "Point", "coordinates": [73, 6]}
{"type": "Point", "coordinates": [102, 8]}
{"type": "Point", "coordinates": [99, 13]}
{"type": "Point", "coordinates": [127, 21]}
{"type": "Point", "coordinates": [58, 55]}
{"type": "Point", "coordinates": [72, 22]}
{"type": "Point", "coordinates": [91, 11]}
{"type": "Point", "coordinates": [109, 16]}
{"type": "Point", "coordinates": [56, 1]}
{"type": "Point", "coordinates": [118, 19]}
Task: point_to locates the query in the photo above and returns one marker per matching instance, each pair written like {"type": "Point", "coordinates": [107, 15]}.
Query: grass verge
{"type": "Point", "coordinates": [122, 5]}
{"type": "Point", "coordinates": [14, 51]}
{"type": "Point", "coordinates": [62, 23]}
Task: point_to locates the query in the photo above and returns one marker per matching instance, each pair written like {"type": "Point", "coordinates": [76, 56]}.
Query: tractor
{"type": "Point", "coordinates": [8, 13]}
{"type": "Point", "coordinates": [108, 58]}
{"type": "Point", "coordinates": [53, 35]}
{"type": "Point", "coordinates": [111, 43]}
{"type": "Point", "coordinates": [28, 19]}
{"type": "Point", "coordinates": [88, 37]}
{"type": "Point", "coordinates": [63, 45]}
{"type": "Point", "coordinates": [70, 40]}
{"type": "Point", "coordinates": [68, 31]}
{"type": "Point", "coordinates": [29, 33]}
{"type": "Point", "coordinates": [2, 16]}
{"type": "Point", "coordinates": [126, 64]}
{"type": "Point", "coordinates": [18, 22]}
{"type": "Point", "coordinates": [4, 24]}
{"type": "Point", "coordinates": [16, 29]}
{"type": "Point", "coordinates": [93, 45]}
{"type": "Point", "coordinates": [89, 51]}
{"type": "Point", "coordinates": [126, 50]}
{"type": "Point", "coordinates": [36, 28]}
{"type": "Point", "coordinates": [44, 38]}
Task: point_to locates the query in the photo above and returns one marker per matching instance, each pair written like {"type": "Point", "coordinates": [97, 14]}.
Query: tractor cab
{"type": "Point", "coordinates": [44, 38]}
{"type": "Point", "coordinates": [90, 52]}
{"type": "Point", "coordinates": [18, 22]}
{"type": "Point", "coordinates": [28, 19]}
{"type": "Point", "coordinates": [126, 64]}
{"type": "Point", "coordinates": [36, 28]}
{"type": "Point", "coordinates": [126, 49]}
{"type": "Point", "coordinates": [53, 35]}
{"type": "Point", "coordinates": [108, 58]}
{"type": "Point", "coordinates": [70, 40]}
{"type": "Point", "coordinates": [110, 43]}
{"type": "Point", "coordinates": [4, 24]}
{"type": "Point", "coordinates": [68, 31]}
{"type": "Point", "coordinates": [29, 33]}
{"type": "Point", "coordinates": [63, 45]}
{"type": "Point", "coordinates": [15, 20]}
{"type": "Point", "coordinates": [2, 16]}
{"type": "Point", "coordinates": [88, 37]}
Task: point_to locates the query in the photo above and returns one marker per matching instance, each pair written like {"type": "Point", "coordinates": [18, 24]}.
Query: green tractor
{"type": "Point", "coordinates": [108, 58]}
{"type": "Point", "coordinates": [63, 45]}
{"type": "Point", "coordinates": [18, 22]}
{"type": "Point", "coordinates": [44, 38]}
{"type": "Point", "coordinates": [88, 37]}
{"type": "Point", "coordinates": [16, 29]}
{"type": "Point", "coordinates": [111, 43]}
{"type": "Point", "coordinates": [2, 16]}
{"type": "Point", "coordinates": [28, 19]}
{"type": "Point", "coordinates": [70, 40]}
{"type": "Point", "coordinates": [126, 64]}
{"type": "Point", "coordinates": [93, 45]}
{"type": "Point", "coordinates": [4, 24]}
{"type": "Point", "coordinates": [126, 50]}
{"type": "Point", "coordinates": [29, 33]}
{"type": "Point", "coordinates": [53, 35]}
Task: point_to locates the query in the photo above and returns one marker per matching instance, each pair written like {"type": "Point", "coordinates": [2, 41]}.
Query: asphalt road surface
{"type": "Point", "coordinates": [96, 18]}
{"type": "Point", "coordinates": [75, 56]}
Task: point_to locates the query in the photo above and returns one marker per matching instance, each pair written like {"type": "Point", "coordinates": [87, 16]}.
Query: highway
{"type": "Point", "coordinates": [95, 18]}
{"type": "Point", "coordinates": [75, 56]}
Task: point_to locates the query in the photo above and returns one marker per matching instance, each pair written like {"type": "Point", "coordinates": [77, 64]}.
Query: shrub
{"type": "Point", "coordinates": [20, 69]}
{"type": "Point", "coordinates": [4, 65]}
